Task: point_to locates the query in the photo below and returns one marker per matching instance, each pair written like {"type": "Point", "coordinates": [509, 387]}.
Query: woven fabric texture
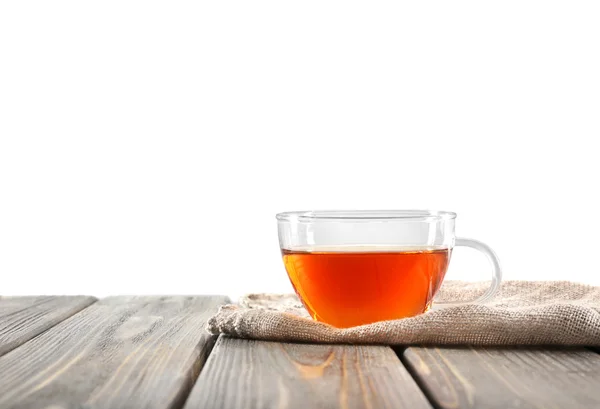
{"type": "Point", "coordinates": [523, 313]}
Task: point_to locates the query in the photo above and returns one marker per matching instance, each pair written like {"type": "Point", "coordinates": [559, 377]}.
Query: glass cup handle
{"type": "Point", "coordinates": [496, 271]}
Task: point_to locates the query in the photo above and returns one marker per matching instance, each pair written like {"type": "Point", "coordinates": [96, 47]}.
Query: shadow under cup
{"type": "Point", "coordinates": [352, 268]}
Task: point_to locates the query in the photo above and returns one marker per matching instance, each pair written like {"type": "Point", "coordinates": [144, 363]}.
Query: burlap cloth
{"type": "Point", "coordinates": [523, 313]}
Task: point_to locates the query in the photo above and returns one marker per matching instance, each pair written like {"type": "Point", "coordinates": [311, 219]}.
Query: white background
{"type": "Point", "coordinates": [145, 147]}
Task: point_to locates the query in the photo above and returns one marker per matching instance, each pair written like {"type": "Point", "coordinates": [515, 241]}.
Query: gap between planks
{"type": "Point", "coordinates": [23, 318]}
{"type": "Point", "coordinates": [249, 374]}
{"type": "Point", "coordinates": [464, 377]}
{"type": "Point", "coordinates": [120, 352]}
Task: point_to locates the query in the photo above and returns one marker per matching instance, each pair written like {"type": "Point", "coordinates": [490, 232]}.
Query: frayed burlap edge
{"type": "Point", "coordinates": [523, 313]}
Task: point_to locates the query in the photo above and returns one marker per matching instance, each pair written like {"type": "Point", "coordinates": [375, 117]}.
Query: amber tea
{"type": "Point", "coordinates": [355, 286]}
{"type": "Point", "coordinates": [355, 267]}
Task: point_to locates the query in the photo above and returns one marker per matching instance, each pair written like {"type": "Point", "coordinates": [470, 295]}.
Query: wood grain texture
{"type": "Point", "coordinates": [121, 352]}
{"type": "Point", "coordinates": [22, 318]}
{"type": "Point", "coordinates": [244, 374]}
{"type": "Point", "coordinates": [507, 378]}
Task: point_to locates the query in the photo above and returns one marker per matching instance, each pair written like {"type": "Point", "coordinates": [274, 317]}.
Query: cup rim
{"type": "Point", "coordinates": [364, 215]}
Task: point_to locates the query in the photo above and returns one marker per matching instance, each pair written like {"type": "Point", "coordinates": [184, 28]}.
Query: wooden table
{"type": "Point", "coordinates": [153, 352]}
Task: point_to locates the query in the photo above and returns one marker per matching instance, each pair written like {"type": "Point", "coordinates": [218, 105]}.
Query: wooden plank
{"type": "Point", "coordinates": [507, 378]}
{"type": "Point", "coordinates": [22, 318]}
{"type": "Point", "coordinates": [244, 374]}
{"type": "Point", "coordinates": [121, 352]}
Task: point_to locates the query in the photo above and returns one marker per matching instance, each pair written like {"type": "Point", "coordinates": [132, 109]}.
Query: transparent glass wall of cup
{"type": "Point", "coordinates": [357, 267]}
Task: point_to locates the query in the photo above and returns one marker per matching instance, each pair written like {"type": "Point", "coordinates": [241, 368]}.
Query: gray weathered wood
{"type": "Point", "coordinates": [121, 352]}
{"type": "Point", "coordinates": [243, 374]}
{"type": "Point", "coordinates": [507, 378]}
{"type": "Point", "coordinates": [22, 318]}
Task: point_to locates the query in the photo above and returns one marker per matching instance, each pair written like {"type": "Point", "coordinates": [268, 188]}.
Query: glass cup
{"type": "Point", "coordinates": [356, 267]}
